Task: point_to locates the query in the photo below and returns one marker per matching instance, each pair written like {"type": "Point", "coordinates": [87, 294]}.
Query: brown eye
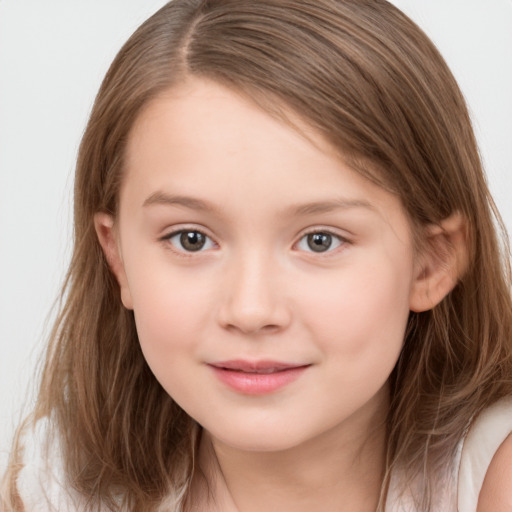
{"type": "Point", "coordinates": [320, 241]}
{"type": "Point", "coordinates": [190, 240]}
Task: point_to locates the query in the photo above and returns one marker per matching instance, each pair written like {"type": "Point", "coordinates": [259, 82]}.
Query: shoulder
{"type": "Point", "coordinates": [485, 470]}
{"type": "Point", "coordinates": [41, 481]}
{"type": "Point", "coordinates": [496, 493]}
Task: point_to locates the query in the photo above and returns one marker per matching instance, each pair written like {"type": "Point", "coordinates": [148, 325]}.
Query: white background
{"type": "Point", "coordinates": [53, 55]}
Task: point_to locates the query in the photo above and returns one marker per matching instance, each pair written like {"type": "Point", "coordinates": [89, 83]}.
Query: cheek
{"type": "Point", "coordinates": [361, 329]}
{"type": "Point", "coordinates": [169, 328]}
{"type": "Point", "coordinates": [363, 314]}
{"type": "Point", "coordinates": [171, 311]}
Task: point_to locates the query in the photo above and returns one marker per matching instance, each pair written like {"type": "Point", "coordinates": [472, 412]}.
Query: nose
{"type": "Point", "coordinates": [254, 300]}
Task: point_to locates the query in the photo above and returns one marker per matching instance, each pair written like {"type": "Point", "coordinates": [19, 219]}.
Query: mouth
{"type": "Point", "coordinates": [257, 377]}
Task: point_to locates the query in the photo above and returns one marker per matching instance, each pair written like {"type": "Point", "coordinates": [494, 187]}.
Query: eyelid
{"type": "Point", "coordinates": [342, 238]}
{"type": "Point", "coordinates": [177, 230]}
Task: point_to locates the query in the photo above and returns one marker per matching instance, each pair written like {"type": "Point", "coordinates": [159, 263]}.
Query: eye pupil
{"type": "Point", "coordinates": [319, 242]}
{"type": "Point", "coordinates": [192, 240]}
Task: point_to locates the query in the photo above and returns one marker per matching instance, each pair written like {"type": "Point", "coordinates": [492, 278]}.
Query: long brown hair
{"type": "Point", "coordinates": [367, 78]}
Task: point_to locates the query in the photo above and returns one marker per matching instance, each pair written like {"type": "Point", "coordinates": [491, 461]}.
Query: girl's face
{"type": "Point", "coordinates": [271, 284]}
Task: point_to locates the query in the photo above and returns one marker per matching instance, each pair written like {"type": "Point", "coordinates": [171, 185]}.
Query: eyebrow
{"type": "Point", "coordinates": [328, 206]}
{"type": "Point", "coordinates": [315, 207]}
{"type": "Point", "coordinates": [161, 198]}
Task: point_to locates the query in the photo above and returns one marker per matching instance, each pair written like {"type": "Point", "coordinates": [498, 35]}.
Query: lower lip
{"type": "Point", "coordinates": [258, 383]}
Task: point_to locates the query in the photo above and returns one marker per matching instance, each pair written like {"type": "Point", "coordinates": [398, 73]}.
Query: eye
{"type": "Point", "coordinates": [319, 241]}
{"type": "Point", "coordinates": [189, 240]}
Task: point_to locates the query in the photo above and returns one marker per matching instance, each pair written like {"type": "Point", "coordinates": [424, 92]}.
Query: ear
{"type": "Point", "coordinates": [105, 230]}
{"type": "Point", "coordinates": [443, 259]}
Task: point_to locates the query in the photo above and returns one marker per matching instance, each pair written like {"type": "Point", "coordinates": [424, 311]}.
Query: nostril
{"type": "Point", "coordinates": [253, 329]}
{"type": "Point", "coordinates": [252, 303]}
{"type": "Point", "coordinates": [270, 328]}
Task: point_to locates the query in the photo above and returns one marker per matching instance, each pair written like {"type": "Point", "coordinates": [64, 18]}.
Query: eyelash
{"type": "Point", "coordinates": [335, 238]}
{"type": "Point", "coordinates": [179, 233]}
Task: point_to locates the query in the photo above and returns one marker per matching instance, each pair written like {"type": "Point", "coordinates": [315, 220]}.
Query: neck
{"type": "Point", "coordinates": [340, 470]}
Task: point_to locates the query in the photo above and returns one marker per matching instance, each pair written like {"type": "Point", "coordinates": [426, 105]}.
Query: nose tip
{"type": "Point", "coordinates": [252, 321]}
{"type": "Point", "coordinates": [254, 303]}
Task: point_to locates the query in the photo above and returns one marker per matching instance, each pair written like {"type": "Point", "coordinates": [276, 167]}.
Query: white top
{"type": "Point", "coordinates": [41, 482]}
{"type": "Point", "coordinates": [473, 457]}
{"type": "Point", "coordinates": [42, 487]}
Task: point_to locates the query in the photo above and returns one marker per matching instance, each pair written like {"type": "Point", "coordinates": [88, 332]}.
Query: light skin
{"type": "Point", "coordinates": [496, 492]}
{"type": "Point", "coordinates": [241, 238]}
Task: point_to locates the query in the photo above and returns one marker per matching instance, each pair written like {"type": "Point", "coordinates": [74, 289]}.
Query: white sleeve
{"type": "Point", "coordinates": [484, 438]}
{"type": "Point", "coordinates": [41, 482]}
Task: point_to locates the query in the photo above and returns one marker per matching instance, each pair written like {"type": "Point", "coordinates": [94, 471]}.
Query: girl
{"type": "Point", "coordinates": [287, 291]}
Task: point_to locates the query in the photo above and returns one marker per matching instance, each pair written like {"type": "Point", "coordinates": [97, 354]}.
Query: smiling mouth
{"type": "Point", "coordinates": [257, 378]}
{"type": "Point", "coordinates": [262, 371]}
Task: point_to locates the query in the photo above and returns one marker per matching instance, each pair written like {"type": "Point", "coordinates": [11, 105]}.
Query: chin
{"type": "Point", "coordinates": [263, 439]}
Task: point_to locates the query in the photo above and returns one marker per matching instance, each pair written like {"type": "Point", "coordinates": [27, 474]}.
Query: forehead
{"type": "Point", "coordinates": [205, 111]}
{"type": "Point", "coordinates": [201, 138]}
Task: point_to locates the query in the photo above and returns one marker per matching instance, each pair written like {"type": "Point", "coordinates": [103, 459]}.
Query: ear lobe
{"type": "Point", "coordinates": [105, 230]}
{"type": "Point", "coordinates": [441, 263]}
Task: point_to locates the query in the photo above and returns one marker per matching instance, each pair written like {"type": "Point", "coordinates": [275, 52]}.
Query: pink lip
{"type": "Point", "coordinates": [257, 377]}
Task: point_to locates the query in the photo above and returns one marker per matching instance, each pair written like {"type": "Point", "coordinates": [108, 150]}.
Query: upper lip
{"type": "Point", "coordinates": [255, 366]}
